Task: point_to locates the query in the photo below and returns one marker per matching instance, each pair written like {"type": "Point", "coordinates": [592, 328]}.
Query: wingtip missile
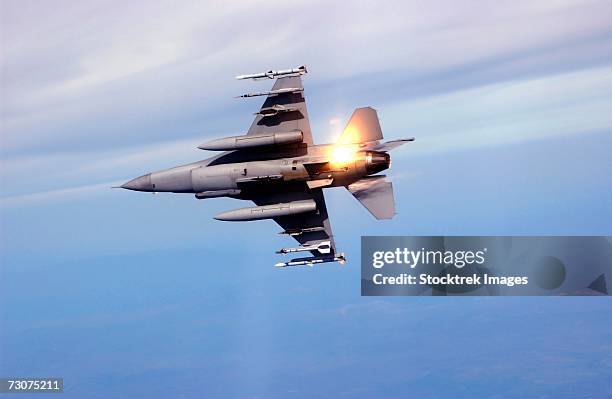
{"type": "Point", "coordinates": [301, 70]}
{"type": "Point", "coordinates": [340, 258]}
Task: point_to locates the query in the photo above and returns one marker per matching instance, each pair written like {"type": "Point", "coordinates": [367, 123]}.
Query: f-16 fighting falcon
{"type": "Point", "coordinates": [277, 166]}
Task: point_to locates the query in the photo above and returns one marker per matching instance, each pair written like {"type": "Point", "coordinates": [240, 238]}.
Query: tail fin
{"type": "Point", "coordinates": [363, 127]}
{"type": "Point", "coordinates": [376, 194]}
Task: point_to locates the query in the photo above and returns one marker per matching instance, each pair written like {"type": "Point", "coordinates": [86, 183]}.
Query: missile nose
{"type": "Point", "coordinates": [142, 183]}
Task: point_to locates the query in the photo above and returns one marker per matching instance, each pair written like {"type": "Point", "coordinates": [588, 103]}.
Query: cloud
{"type": "Point", "coordinates": [118, 74]}
{"type": "Point", "coordinates": [99, 91]}
{"type": "Point", "coordinates": [492, 115]}
{"type": "Point", "coordinates": [506, 113]}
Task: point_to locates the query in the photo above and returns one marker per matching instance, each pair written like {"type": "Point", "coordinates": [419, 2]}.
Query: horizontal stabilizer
{"type": "Point", "coordinates": [385, 147]}
{"type": "Point", "coordinates": [389, 145]}
{"type": "Point", "coordinates": [376, 194]}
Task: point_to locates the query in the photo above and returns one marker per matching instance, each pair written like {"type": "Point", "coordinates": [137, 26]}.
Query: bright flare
{"type": "Point", "coordinates": [342, 154]}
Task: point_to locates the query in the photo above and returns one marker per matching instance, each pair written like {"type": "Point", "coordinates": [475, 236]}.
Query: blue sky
{"type": "Point", "coordinates": [137, 295]}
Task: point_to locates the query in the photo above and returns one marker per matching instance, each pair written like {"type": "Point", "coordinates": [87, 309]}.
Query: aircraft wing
{"type": "Point", "coordinates": [284, 110]}
{"type": "Point", "coordinates": [307, 228]}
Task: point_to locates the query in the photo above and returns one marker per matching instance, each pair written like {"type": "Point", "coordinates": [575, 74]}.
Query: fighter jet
{"type": "Point", "coordinates": [277, 166]}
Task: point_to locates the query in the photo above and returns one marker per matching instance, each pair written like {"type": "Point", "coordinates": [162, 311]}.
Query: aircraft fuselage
{"type": "Point", "coordinates": [236, 173]}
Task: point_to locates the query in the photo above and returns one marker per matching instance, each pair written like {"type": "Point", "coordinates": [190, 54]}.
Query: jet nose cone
{"type": "Point", "coordinates": [142, 183]}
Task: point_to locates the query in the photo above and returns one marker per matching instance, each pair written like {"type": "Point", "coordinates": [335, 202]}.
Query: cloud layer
{"type": "Point", "coordinates": [98, 91]}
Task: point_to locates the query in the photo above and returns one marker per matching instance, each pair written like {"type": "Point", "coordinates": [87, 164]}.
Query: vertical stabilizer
{"type": "Point", "coordinates": [363, 127]}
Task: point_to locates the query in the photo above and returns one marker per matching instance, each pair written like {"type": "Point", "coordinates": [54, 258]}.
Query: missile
{"type": "Point", "coordinates": [273, 92]}
{"type": "Point", "coordinates": [217, 193]}
{"type": "Point", "coordinates": [253, 140]}
{"type": "Point", "coordinates": [323, 247]}
{"type": "Point", "coordinates": [271, 74]}
{"type": "Point", "coordinates": [268, 211]}
{"type": "Point", "coordinates": [275, 110]}
{"type": "Point", "coordinates": [312, 261]}
{"type": "Point", "coordinates": [297, 232]}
